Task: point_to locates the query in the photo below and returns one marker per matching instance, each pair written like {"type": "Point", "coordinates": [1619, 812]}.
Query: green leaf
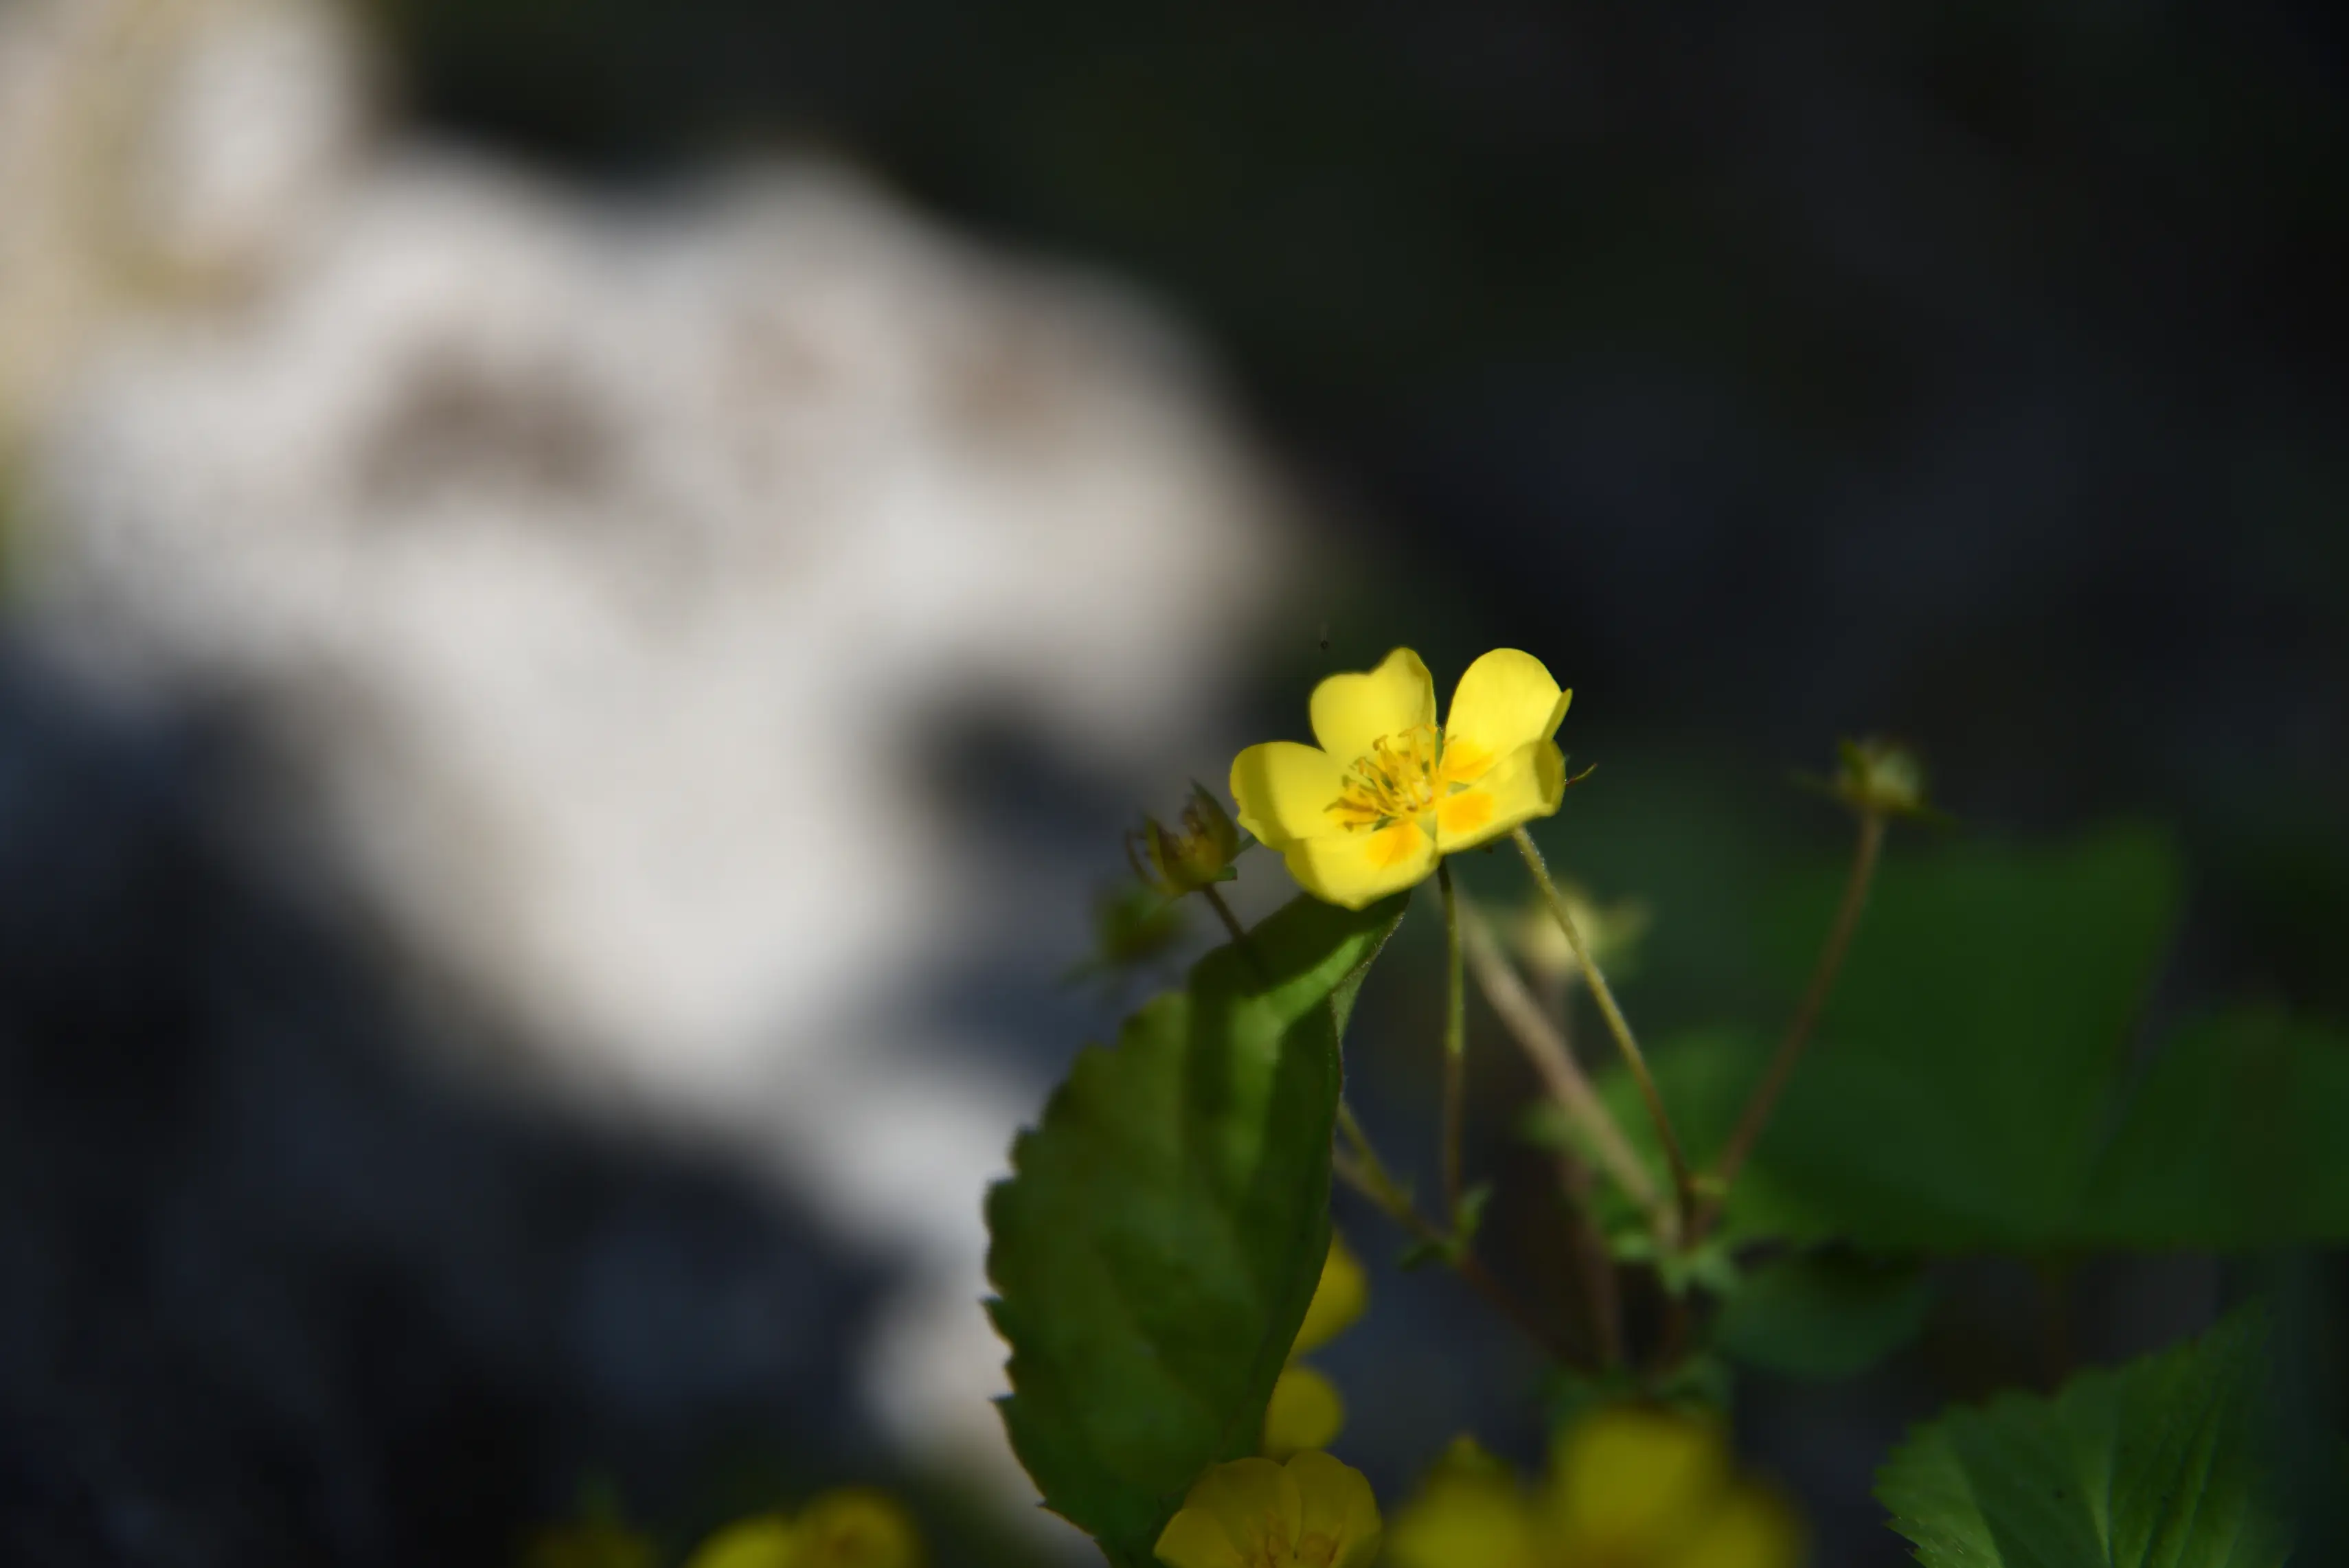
{"type": "Point", "coordinates": [1824, 1315]}
{"type": "Point", "coordinates": [1957, 1091]}
{"type": "Point", "coordinates": [1164, 1228]}
{"type": "Point", "coordinates": [1955, 1094]}
{"type": "Point", "coordinates": [2232, 1142]}
{"type": "Point", "coordinates": [2160, 1464]}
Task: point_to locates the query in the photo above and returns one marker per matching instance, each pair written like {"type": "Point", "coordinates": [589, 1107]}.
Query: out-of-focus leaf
{"type": "Point", "coordinates": [2158, 1464]}
{"type": "Point", "coordinates": [2234, 1140]}
{"type": "Point", "coordinates": [1164, 1225]}
{"type": "Point", "coordinates": [1958, 1090]}
{"type": "Point", "coordinates": [1824, 1315]}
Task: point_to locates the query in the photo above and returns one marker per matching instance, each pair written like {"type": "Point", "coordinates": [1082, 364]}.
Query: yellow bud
{"type": "Point", "coordinates": [1338, 1300]}
{"type": "Point", "coordinates": [1306, 1412]}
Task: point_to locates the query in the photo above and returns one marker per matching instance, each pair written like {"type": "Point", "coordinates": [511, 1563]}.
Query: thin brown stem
{"type": "Point", "coordinates": [1455, 1042]}
{"type": "Point", "coordinates": [1547, 1049]}
{"type": "Point", "coordinates": [1683, 1179]}
{"type": "Point", "coordinates": [1764, 1098]}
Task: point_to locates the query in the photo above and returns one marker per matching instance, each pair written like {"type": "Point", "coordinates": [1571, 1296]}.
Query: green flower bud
{"type": "Point", "coordinates": [1196, 853]}
{"type": "Point", "coordinates": [1882, 777]}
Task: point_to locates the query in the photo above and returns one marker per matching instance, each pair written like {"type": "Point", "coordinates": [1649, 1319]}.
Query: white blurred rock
{"type": "Point", "coordinates": [608, 570]}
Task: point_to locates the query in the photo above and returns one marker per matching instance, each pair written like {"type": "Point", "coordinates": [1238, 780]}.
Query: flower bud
{"type": "Point", "coordinates": [1198, 852]}
{"type": "Point", "coordinates": [1880, 776]}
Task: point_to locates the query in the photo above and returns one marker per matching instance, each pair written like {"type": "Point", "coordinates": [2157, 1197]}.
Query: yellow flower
{"type": "Point", "coordinates": [1388, 792]}
{"type": "Point", "coordinates": [853, 1528]}
{"type": "Point", "coordinates": [1338, 1300]}
{"type": "Point", "coordinates": [1307, 1411]}
{"type": "Point", "coordinates": [1314, 1512]}
{"type": "Point", "coordinates": [1628, 1488]}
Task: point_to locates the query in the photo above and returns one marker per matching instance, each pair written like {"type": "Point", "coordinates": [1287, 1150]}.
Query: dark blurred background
{"type": "Point", "coordinates": [1775, 371]}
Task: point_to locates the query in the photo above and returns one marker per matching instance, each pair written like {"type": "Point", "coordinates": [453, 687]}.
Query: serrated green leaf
{"type": "Point", "coordinates": [1824, 1315]}
{"type": "Point", "coordinates": [2158, 1464]}
{"type": "Point", "coordinates": [1164, 1225]}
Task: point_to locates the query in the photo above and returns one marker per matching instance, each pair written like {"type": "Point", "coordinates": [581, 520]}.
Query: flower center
{"type": "Point", "coordinates": [1314, 1549]}
{"type": "Point", "coordinates": [1394, 781]}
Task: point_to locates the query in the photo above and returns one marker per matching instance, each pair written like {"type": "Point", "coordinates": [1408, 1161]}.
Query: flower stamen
{"type": "Point", "coordinates": [1394, 781]}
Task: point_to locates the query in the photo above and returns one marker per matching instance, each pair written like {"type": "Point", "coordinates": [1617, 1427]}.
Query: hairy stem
{"type": "Point", "coordinates": [1370, 1179]}
{"type": "Point", "coordinates": [1764, 1098]}
{"type": "Point", "coordinates": [1223, 913]}
{"type": "Point", "coordinates": [1683, 1180]}
{"type": "Point", "coordinates": [1560, 1073]}
{"type": "Point", "coordinates": [1455, 1042]}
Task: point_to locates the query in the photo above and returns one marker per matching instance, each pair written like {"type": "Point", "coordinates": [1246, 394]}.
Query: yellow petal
{"type": "Point", "coordinates": [1285, 791]}
{"type": "Point", "coordinates": [1351, 711]}
{"type": "Point", "coordinates": [857, 1528]}
{"type": "Point", "coordinates": [1249, 1502]}
{"type": "Point", "coordinates": [770, 1540]}
{"type": "Point", "coordinates": [1359, 869]}
{"type": "Point", "coordinates": [1335, 1504]}
{"type": "Point", "coordinates": [1466, 1522]}
{"type": "Point", "coordinates": [1507, 701]}
{"type": "Point", "coordinates": [1338, 1300]}
{"type": "Point", "coordinates": [1195, 1540]}
{"type": "Point", "coordinates": [1637, 1476]}
{"type": "Point", "coordinates": [1306, 1412]}
{"type": "Point", "coordinates": [1751, 1529]}
{"type": "Point", "coordinates": [1526, 783]}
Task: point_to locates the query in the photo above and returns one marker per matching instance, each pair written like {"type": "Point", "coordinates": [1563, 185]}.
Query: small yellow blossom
{"type": "Point", "coordinates": [1388, 792]}
{"type": "Point", "coordinates": [1315, 1512]}
{"type": "Point", "coordinates": [1338, 1301]}
{"type": "Point", "coordinates": [1307, 1411]}
{"type": "Point", "coordinates": [853, 1528]}
{"type": "Point", "coordinates": [1628, 1488]}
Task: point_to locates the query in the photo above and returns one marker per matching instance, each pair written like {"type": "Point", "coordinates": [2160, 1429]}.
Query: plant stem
{"type": "Point", "coordinates": [1223, 913]}
{"type": "Point", "coordinates": [1764, 1098]}
{"type": "Point", "coordinates": [1594, 1265]}
{"type": "Point", "coordinates": [1362, 1171]}
{"type": "Point", "coordinates": [1683, 1180]}
{"type": "Point", "coordinates": [1560, 1073]}
{"type": "Point", "coordinates": [1455, 1042]}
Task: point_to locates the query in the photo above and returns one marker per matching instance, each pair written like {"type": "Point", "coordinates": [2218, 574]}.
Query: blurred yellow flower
{"type": "Point", "coordinates": [1307, 1411]}
{"type": "Point", "coordinates": [853, 1528]}
{"type": "Point", "coordinates": [1314, 1512]}
{"type": "Point", "coordinates": [1338, 1300]}
{"type": "Point", "coordinates": [1388, 792]}
{"type": "Point", "coordinates": [1627, 1488]}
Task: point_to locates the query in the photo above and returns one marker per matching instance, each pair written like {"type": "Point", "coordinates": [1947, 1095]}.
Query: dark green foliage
{"type": "Point", "coordinates": [1161, 1235]}
{"type": "Point", "coordinates": [1824, 1315]}
{"type": "Point", "coordinates": [2158, 1464]}
{"type": "Point", "coordinates": [2234, 1140]}
{"type": "Point", "coordinates": [1956, 1094]}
